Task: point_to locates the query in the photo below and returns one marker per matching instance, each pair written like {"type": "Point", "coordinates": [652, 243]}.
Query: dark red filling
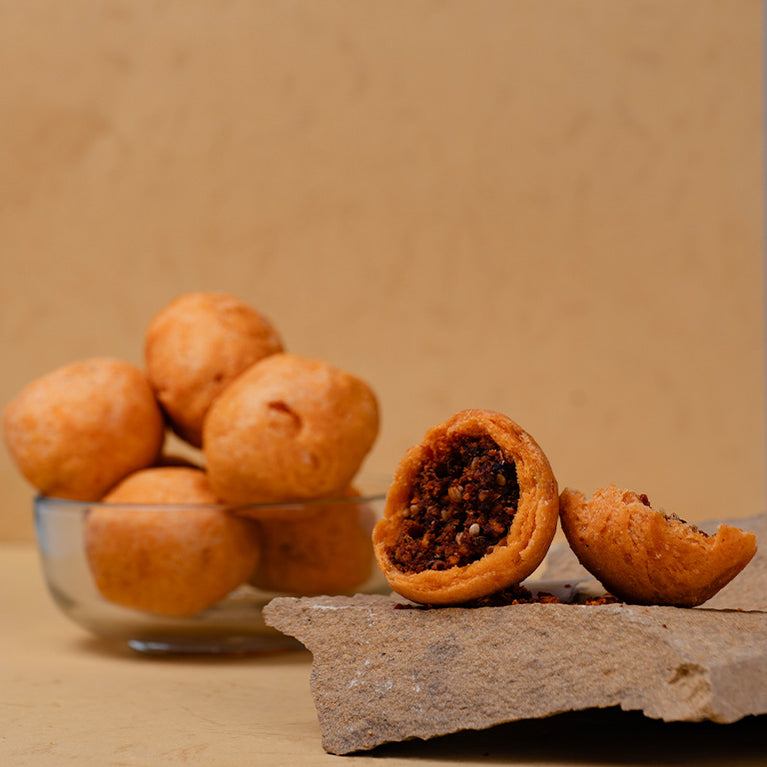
{"type": "Point", "coordinates": [462, 505]}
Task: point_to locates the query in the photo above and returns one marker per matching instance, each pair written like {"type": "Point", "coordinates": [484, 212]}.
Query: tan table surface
{"type": "Point", "coordinates": [68, 698]}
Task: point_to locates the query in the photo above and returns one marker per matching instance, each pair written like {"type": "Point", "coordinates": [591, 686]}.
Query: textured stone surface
{"type": "Point", "coordinates": [382, 674]}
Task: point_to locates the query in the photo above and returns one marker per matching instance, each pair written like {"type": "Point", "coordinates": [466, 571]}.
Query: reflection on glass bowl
{"type": "Point", "coordinates": [147, 574]}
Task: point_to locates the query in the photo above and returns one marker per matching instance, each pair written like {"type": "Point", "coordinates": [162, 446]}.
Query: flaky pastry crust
{"type": "Point", "coordinates": [510, 458]}
{"type": "Point", "coordinates": [642, 555]}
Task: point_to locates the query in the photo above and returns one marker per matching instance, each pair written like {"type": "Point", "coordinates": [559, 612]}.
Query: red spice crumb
{"type": "Point", "coordinates": [608, 600]}
{"type": "Point", "coordinates": [548, 599]}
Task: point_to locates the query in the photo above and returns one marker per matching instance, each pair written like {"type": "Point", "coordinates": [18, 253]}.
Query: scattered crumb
{"type": "Point", "coordinates": [514, 595]}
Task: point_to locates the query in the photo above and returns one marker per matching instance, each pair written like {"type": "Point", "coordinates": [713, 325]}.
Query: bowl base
{"type": "Point", "coordinates": [230, 645]}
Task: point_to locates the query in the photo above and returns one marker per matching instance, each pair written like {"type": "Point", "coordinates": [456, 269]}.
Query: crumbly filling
{"type": "Point", "coordinates": [461, 506]}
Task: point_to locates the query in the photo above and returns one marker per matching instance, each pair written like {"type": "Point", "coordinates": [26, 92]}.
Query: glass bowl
{"type": "Point", "coordinates": [305, 549]}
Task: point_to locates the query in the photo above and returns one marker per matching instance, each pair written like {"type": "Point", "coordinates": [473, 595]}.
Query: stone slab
{"type": "Point", "coordinates": [382, 674]}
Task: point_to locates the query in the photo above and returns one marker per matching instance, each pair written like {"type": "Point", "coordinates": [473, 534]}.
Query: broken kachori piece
{"type": "Point", "coordinates": [161, 543]}
{"type": "Point", "coordinates": [643, 555]}
{"type": "Point", "coordinates": [471, 510]}
{"type": "Point", "coordinates": [195, 347]}
{"type": "Point", "coordinates": [288, 428]}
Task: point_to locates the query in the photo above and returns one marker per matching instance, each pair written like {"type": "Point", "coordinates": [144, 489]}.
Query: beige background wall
{"type": "Point", "coordinates": [553, 209]}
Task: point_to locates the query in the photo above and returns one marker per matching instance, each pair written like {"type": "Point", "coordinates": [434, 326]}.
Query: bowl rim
{"type": "Point", "coordinates": [50, 502]}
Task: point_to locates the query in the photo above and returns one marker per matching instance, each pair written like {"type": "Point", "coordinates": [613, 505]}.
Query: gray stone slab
{"type": "Point", "coordinates": [382, 674]}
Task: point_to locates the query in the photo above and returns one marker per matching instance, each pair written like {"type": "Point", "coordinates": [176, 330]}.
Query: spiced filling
{"type": "Point", "coordinates": [461, 507]}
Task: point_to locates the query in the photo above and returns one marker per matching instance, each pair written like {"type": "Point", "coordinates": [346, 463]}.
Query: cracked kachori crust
{"type": "Point", "coordinates": [472, 509]}
{"type": "Point", "coordinates": [642, 555]}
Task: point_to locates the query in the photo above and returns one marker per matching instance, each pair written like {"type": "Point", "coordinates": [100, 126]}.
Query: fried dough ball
{"type": "Point", "coordinates": [328, 553]}
{"type": "Point", "coordinates": [172, 561]}
{"type": "Point", "coordinates": [288, 428]}
{"type": "Point", "coordinates": [472, 510]}
{"type": "Point", "coordinates": [81, 428]}
{"type": "Point", "coordinates": [195, 347]}
{"type": "Point", "coordinates": [643, 555]}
